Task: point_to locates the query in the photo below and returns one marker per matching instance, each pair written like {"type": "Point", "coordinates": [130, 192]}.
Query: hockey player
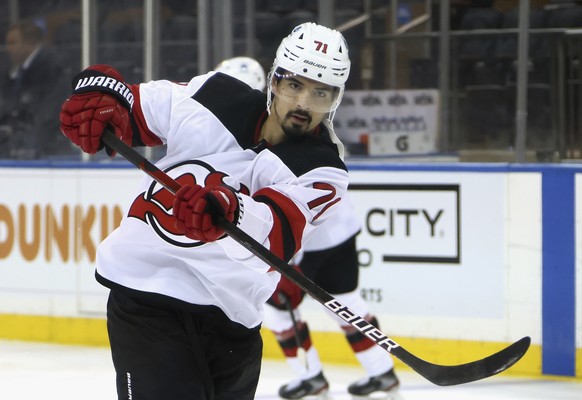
{"type": "Point", "coordinates": [186, 301]}
{"type": "Point", "coordinates": [245, 69]}
{"type": "Point", "coordinates": [330, 260]}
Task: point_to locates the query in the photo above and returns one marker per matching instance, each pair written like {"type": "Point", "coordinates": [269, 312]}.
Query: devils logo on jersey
{"type": "Point", "coordinates": [154, 206]}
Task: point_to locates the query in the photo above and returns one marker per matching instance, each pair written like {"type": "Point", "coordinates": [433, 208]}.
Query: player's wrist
{"type": "Point", "coordinates": [99, 79]}
{"type": "Point", "coordinates": [255, 218]}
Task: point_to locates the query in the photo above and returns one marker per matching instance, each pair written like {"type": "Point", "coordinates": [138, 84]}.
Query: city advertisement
{"type": "Point", "coordinates": [432, 245]}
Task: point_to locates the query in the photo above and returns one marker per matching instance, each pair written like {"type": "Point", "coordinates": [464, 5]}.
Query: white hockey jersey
{"type": "Point", "coordinates": [334, 231]}
{"type": "Point", "coordinates": [211, 126]}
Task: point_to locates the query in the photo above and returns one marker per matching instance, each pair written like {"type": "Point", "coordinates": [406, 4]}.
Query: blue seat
{"type": "Point", "coordinates": [479, 47]}
{"type": "Point", "coordinates": [475, 53]}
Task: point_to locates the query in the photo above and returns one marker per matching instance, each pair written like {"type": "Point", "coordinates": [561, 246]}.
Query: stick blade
{"type": "Point", "coordinates": [445, 375]}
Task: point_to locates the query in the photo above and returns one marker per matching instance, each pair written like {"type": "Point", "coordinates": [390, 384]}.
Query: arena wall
{"type": "Point", "coordinates": [458, 260]}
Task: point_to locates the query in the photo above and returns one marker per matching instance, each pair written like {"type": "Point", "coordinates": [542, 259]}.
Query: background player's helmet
{"type": "Point", "coordinates": [245, 69]}
{"type": "Point", "coordinates": [315, 52]}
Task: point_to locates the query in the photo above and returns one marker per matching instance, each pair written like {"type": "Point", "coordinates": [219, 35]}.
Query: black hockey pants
{"type": "Point", "coordinates": [163, 352]}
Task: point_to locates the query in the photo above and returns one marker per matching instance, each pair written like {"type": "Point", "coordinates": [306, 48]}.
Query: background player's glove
{"type": "Point", "coordinates": [100, 97]}
{"type": "Point", "coordinates": [198, 211]}
{"type": "Point", "coordinates": [288, 289]}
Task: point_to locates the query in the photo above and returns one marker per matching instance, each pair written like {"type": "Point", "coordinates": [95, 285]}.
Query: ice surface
{"type": "Point", "coordinates": [44, 371]}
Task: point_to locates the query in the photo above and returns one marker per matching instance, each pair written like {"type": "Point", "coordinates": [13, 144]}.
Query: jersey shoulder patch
{"type": "Point", "coordinates": [308, 153]}
{"type": "Point", "coordinates": [235, 104]}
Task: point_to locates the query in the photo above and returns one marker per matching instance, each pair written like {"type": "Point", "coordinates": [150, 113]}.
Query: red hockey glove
{"type": "Point", "coordinates": [100, 98]}
{"type": "Point", "coordinates": [287, 291]}
{"type": "Point", "coordinates": [198, 211]}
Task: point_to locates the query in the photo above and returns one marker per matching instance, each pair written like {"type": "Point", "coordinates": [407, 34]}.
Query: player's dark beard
{"type": "Point", "coordinates": [295, 131]}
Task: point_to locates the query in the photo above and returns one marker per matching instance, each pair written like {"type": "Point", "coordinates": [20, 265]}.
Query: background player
{"type": "Point", "coordinates": [329, 258]}
{"type": "Point", "coordinates": [245, 69]}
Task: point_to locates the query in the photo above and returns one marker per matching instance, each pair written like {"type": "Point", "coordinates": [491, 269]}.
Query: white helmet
{"type": "Point", "coordinates": [315, 52]}
{"type": "Point", "coordinates": [244, 69]}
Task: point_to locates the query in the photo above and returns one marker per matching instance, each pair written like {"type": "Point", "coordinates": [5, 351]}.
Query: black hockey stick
{"type": "Point", "coordinates": [283, 298]}
{"type": "Point", "coordinates": [442, 375]}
